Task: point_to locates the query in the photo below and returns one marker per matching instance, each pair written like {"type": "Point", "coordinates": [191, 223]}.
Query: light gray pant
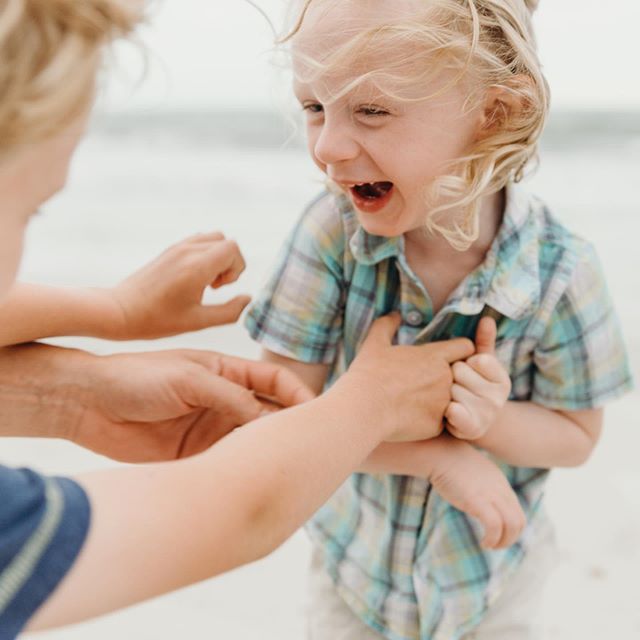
{"type": "Point", "coordinates": [514, 615]}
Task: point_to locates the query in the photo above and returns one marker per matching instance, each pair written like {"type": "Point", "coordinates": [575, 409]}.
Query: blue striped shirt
{"type": "Point", "coordinates": [43, 525]}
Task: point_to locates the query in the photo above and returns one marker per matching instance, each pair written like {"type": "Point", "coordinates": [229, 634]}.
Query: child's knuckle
{"type": "Point", "coordinates": [457, 369]}
{"type": "Point", "coordinates": [232, 246]}
{"type": "Point", "coordinates": [485, 361]}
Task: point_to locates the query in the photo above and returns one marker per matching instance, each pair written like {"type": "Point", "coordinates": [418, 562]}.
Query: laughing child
{"type": "Point", "coordinates": [424, 114]}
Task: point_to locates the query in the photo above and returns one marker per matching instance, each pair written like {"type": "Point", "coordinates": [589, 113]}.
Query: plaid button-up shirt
{"type": "Point", "coordinates": [407, 562]}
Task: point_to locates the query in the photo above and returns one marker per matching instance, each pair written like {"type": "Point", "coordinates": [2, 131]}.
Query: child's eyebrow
{"type": "Point", "coordinates": [299, 88]}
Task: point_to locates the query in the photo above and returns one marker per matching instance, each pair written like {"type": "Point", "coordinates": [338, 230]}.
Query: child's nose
{"type": "Point", "coordinates": [335, 144]}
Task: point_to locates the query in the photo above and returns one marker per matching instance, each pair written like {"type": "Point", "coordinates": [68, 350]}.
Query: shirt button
{"type": "Point", "coordinates": [414, 318]}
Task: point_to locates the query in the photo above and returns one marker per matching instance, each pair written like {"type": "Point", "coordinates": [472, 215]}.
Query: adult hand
{"type": "Point", "coordinates": [410, 385]}
{"type": "Point", "coordinates": [137, 407]}
{"type": "Point", "coordinates": [165, 296]}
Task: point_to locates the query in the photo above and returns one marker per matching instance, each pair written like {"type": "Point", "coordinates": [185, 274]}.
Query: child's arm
{"type": "Point", "coordinates": [463, 476]}
{"type": "Point", "coordinates": [528, 435]}
{"type": "Point", "coordinates": [313, 375]}
{"type": "Point", "coordinates": [520, 433]}
{"type": "Point", "coordinates": [163, 298]}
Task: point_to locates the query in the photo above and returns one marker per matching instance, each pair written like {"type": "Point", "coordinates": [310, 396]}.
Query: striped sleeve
{"type": "Point", "coordinates": [43, 525]}
{"type": "Point", "coordinates": [298, 313]}
{"type": "Point", "coordinates": [581, 361]}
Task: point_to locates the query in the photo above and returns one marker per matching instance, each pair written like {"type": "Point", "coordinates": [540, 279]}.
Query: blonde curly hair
{"type": "Point", "coordinates": [50, 52]}
{"type": "Point", "coordinates": [489, 43]}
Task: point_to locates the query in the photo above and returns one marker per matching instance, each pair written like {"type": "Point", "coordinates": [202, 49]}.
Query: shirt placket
{"type": "Point", "coordinates": [415, 304]}
{"type": "Point", "coordinates": [412, 492]}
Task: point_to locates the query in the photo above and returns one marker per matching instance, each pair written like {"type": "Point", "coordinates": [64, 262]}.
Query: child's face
{"type": "Point", "coordinates": [383, 152]}
{"type": "Point", "coordinates": [28, 178]}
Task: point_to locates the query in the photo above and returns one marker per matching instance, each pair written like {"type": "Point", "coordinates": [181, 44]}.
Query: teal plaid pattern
{"type": "Point", "coordinates": [407, 562]}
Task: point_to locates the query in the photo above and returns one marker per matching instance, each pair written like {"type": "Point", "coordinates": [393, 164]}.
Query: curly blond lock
{"type": "Point", "coordinates": [50, 52]}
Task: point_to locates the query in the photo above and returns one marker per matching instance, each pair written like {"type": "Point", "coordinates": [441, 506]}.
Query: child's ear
{"type": "Point", "coordinates": [503, 106]}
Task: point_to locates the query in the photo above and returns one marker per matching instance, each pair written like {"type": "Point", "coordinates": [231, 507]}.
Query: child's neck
{"type": "Point", "coordinates": [439, 266]}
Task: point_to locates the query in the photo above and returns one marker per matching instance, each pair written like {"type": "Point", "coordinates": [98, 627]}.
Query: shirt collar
{"type": "Point", "coordinates": [509, 278]}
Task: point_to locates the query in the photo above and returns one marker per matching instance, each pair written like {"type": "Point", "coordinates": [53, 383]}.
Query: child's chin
{"type": "Point", "coordinates": [379, 228]}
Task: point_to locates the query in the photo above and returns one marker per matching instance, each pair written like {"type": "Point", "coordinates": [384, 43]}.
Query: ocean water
{"type": "Point", "coordinates": [143, 181]}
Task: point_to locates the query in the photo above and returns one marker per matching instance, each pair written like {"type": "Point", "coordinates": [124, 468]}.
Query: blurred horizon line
{"type": "Point", "coordinates": [224, 126]}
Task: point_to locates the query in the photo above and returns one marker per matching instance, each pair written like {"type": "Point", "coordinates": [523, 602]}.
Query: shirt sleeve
{"type": "Point", "coordinates": [43, 525]}
{"type": "Point", "coordinates": [581, 361]}
{"type": "Point", "coordinates": [298, 313]}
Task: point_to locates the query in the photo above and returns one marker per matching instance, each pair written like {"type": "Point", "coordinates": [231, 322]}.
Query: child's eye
{"type": "Point", "coordinates": [372, 111]}
{"type": "Point", "coordinates": [312, 107]}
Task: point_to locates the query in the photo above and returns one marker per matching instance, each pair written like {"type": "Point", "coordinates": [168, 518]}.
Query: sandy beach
{"type": "Point", "coordinates": [134, 193]}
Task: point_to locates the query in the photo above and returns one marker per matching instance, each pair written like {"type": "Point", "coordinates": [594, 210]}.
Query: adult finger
{"type": "Point", "coordinates": [452, 350]}
{"type": "Point", "coordinates": [217, 314]}
{"type": "Point", "coordinates": [278, 384]}
{"type": "Point", "coordinates": [486, 335]}
{"type": "Point", "coordinates": [382, 331]}
{"type": "Point", "coordinates": [267, 380]}
{"type": "Point", "coordinates": [208, 391]}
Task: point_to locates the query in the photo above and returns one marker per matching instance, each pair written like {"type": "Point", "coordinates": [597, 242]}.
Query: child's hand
{"type": "Point", "coordinates": [468, 480]}
{"type": "Point", "coordinates": [481, 388]}
{"type": "Point", "coordinates": [165, 297]}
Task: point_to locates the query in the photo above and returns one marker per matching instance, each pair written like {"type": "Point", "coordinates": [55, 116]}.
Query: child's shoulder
{"type": "Point", "coordinates": [561, 250]}
{"type": "Point", "coordinates": [553, 233]}
{"type": "Point", "coordinates": [568, 263]}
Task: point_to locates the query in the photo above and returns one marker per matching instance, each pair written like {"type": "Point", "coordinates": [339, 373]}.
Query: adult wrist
{"type": "Point", "coordinates": [44, 390]}
{"type": "Point", "coordinates": [365, 405]}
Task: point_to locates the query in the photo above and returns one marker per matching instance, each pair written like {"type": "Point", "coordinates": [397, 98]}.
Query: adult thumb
{"type": "Point", "coordinates": [486, 335]}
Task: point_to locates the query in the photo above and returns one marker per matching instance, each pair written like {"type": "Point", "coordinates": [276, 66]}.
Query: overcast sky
{"type": "Point", "coordinates": [205, 53]}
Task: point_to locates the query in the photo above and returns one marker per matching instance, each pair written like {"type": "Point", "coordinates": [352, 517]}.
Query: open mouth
{"type": "Point", "coordinates": [371, 196]}
{"type": "Point", "coordinates": [372, 190]}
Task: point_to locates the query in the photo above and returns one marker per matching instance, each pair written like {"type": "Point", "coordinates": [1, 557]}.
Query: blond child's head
{"type": "Point", "coordinates": [50, 53]}
{"type": "Point", "coordinates": [419, 108]}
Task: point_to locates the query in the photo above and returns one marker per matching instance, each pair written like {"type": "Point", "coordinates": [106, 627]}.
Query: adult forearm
{"type": "Point", "coordinates": [529, 435]}
{"type": "Point", "coordinates": [184, 521]}
{"type": "Point", "coordinates": [187, 521]}
{"type": "Point", "coordinates": [41, 390]}
{"type": "Point", "coordinates": [30, 312]}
